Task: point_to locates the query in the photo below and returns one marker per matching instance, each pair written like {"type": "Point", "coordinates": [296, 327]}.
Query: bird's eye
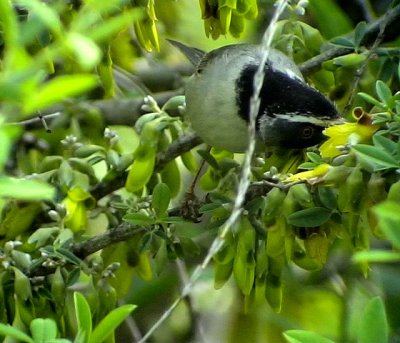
{"type": "Point", "coordinates": [307, 132]}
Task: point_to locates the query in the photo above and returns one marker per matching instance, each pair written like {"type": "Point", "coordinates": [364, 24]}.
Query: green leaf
{"type": "Point", "coordinates": [376, 256]}
{"type": "Point", "coordinates": [59, 89]}
{"type": "Point", "coordinates": [23, 261]}
{"type": "Point", "coordinates": [386, 72]}
{"type": "Point", "coordinates": [139, 218]}
{"type": "Point", "coordinates": [110, 322]}
{"type": "Point", "coordinates": [307, 166]}
{"type": "Point", "coordinates": [22, 285]}
{"type": "Point", "coordinates": [383, 91]}
{"type": "Point", "coordinates": [9, 331]}
{"type": "Point", "coordinates": [86, 52]}
{"type": "Point", "coordinates": [114, 24]}
{"type": "Point", "coordinates": [385, 144]}
{"type": "Point", "coordinates": [370, 99]}
{"type": "Point", "coordinates": [83, 315]}
{"type": "Point", "coordinates": [374, 326]}
{"type": "Point", "coordinates": [87, 150]}
{"type": "Point", "coordinates": [309, 217]}
{"type": "Point", "coordinates": [189, 246]}
{"type": "Point", "coordinates": [128, 138]}
{"type": "Point", "coordinates": [43, 329]}
{"type": "Point", "coordinates": [209, 158]}
{"type": "Point", "coordinates": [174, 103]}
{"type": "Point", "coordinates": [343, 41]}
{"type": "Point", "coordinates": [42, 235]}
{"type": "Point", "coordinates": [160, 199]}
{"type": "Point", "coordinates": [313, 157]}
{"type": "Point", "coordinates": [359, 33]}
{"type": "Point", "coordinates": [301, 336]}
{"type": "Point", "coordinates": [65, 174]}
{"type": "Point", "coordinates": [68, 255]}
{"type": "Point", "coordinates": [388, 214]}
{"type": "Point", "coordinates": [47, 15]}
{"type": "Point", "coordinates": [23, 189]}
{"type": "Point", "coordinates": [9, 25]}
{"type": "Point", "coordinates": [18, 219]}
{"type": "Point", "coordinates": [273, 291]}
{"type": "Point", "coordinates": [80, 337]}
{"type": "Point", "coordinates": [328, 197]}
{"type": "Point", "coordinates": [377, 156]}
{"type": "Point", "coordinates": [332, 20]}
{"type": "Point", "coordinates": [209, 207]}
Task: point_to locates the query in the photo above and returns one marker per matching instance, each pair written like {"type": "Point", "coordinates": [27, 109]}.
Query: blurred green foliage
{"type": "Point", "coordinates": [90, 204]}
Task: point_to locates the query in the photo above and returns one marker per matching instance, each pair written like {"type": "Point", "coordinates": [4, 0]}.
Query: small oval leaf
{"type": "Point", "coordinates": [138, 218]}
{"type": "Point", "coordinates": [309, 217]}
{"type": "Point", "coordinates": [161, 198]}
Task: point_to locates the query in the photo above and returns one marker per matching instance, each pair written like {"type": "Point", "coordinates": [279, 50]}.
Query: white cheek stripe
{"type": "Point", "coordinates": [306, 118]}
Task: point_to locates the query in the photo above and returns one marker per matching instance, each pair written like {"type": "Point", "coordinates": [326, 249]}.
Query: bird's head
{"type": "Point", "coordinates": [292, 113]}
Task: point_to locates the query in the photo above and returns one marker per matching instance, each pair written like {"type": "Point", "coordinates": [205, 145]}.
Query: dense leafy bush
{"type": "Point", "coordinates": [100, 195]}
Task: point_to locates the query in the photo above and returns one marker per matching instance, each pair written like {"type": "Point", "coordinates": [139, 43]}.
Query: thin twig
{"type": "Point", "coordinates": [367, 10]}
{"type": "Point", "coordinates": [360, 71]}
{"type": "Point", "coordinates": [184, 277]}
{"type": "Point", "coordinates": [314, 64]}
{"type": "Point", "coordinates": [392, 29]}
{"type": "Point", "coordinates": [196, 177]}
{"type": "Point", "coordinates": [41, 120]}
{"type": "Point", "coordinates": [131, 325]}
{"type": "Point", "coordinates": [44, 123]}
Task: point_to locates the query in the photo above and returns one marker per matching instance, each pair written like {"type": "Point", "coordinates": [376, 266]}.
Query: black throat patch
{"type": "Point", "coordinates": [281, 94]}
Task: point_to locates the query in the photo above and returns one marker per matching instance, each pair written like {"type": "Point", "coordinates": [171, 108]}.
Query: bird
{"type": "Point", "coordinates": [292, 114]}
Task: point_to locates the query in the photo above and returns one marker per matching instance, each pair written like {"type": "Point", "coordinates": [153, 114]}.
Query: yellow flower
{"type": "Point", "coordinates": [76, 203]}
{"type": "Point", "coordinates": [348, 133]}
{"type": "Point", "coordinates": [310, 175]}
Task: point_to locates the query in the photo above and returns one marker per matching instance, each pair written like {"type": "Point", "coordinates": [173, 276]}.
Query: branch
{"type": "Point", "coordinates": [125, 231]}
{"type": "Point", "coordinates": [120, 233]}
{"type": "Point", "coordinates": [314, 64]}
{"type": "Point", "coordinates": [114, 111]}
{"type": "Point", "coordinates": [359, 72]}
{"type": "Point", "coordinates": [390, 21]}
{"type": "Point", "coordinates": [178, 147]}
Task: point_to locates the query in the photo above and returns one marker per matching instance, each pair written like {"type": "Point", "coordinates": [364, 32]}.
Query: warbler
{"type": "Point", "coordinates": [292, 114]}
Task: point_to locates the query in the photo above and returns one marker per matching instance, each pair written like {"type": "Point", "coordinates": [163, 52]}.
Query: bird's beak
{"type": "Point", "coordinates": [194, 55]}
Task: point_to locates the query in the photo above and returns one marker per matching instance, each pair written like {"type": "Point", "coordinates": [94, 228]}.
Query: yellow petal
{"type": "Point", "coordinates": [340, 135]}
{"type": "Point", "coordinates": [310, 174]}
{"type": "Point", "coordinates": [77, 220]}
{"type": "Point", "coordinates": [78, 194]}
